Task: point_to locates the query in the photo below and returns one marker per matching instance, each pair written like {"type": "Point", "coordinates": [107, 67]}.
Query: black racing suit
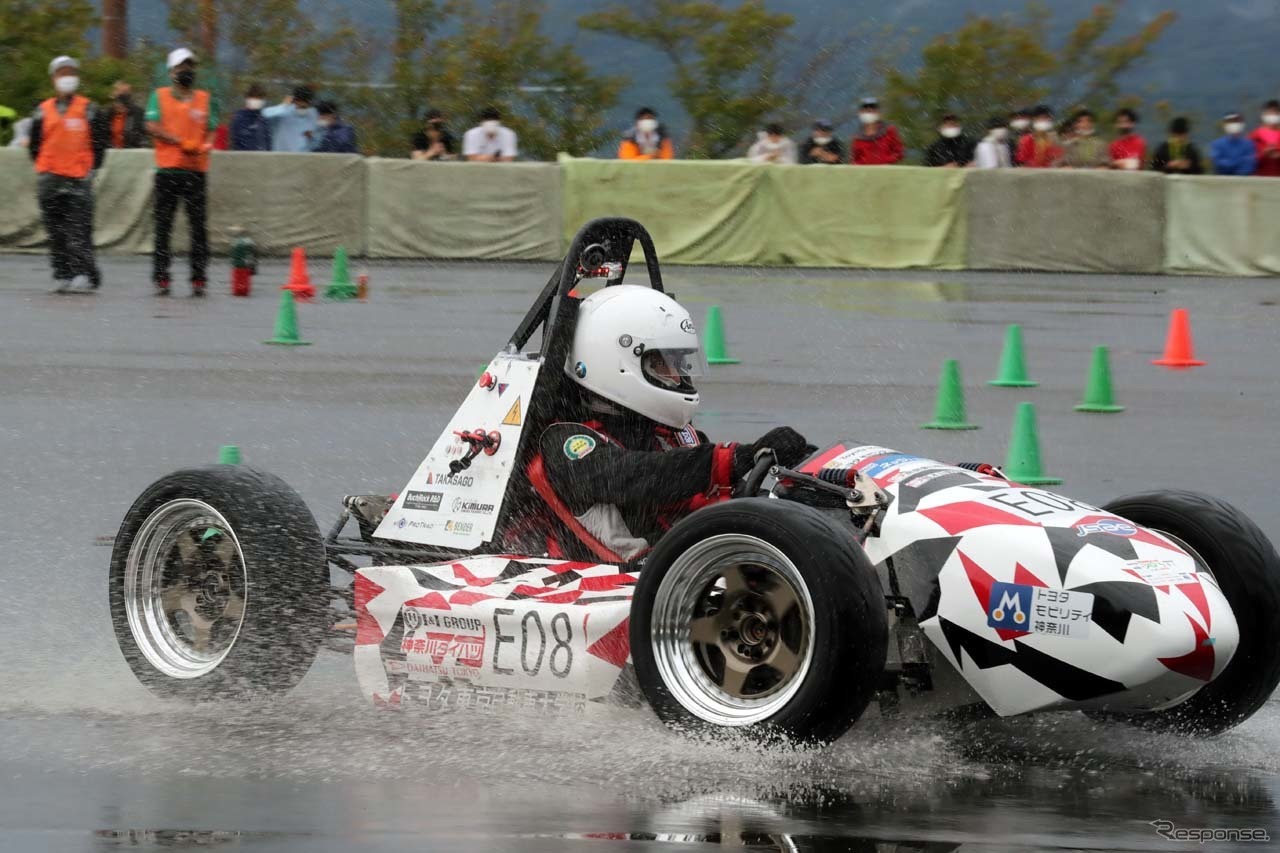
{"type": "Point", "coordinates": [618, 483]}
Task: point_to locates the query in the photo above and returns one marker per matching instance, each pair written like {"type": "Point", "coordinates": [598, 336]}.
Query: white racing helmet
{"type": "Point", "coordinates": [638, 348]}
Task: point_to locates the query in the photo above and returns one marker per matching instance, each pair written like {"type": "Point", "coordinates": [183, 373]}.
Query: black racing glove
{"type": "Point", "coordinates": [789, 448]}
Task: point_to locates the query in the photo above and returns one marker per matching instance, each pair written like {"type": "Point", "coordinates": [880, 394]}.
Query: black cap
{"type": "Point", "coordinates": [870, 102]}
{"type": "Point", "coordinates": [327, 108]}
{"type": "Point", "coordinates": [490, 114]}
{"type": "Point", "coordinates": [646, 111]}
{"type": "Point", "coordinates": [433, 114]}
{"type": "Point", "coordinates": [998, 121]}
{"type": "Point", "coordinates": [304, 93]}
{"type": "Point", "coordinates": [824, 124]}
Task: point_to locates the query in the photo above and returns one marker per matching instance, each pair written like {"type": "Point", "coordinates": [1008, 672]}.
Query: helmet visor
{"type": "Point", "coordinates": [673, 369]}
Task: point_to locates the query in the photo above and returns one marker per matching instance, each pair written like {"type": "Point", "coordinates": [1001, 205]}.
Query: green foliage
{"type": "Point", "coordinates": [992, 65]}
{"type": "Point", "coordinates": [724, 62]}
{"type": "Point", "coordinates": [33, 32]}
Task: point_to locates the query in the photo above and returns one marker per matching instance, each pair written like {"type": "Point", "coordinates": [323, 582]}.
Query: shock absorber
{"type": "Point", "coordinates": [845, 477]}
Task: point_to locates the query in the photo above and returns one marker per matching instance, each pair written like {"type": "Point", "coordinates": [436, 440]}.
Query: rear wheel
{"type": "Point", "coordinates": [219, 584]}
{"type": "Point", "coordinates": [759, 615]}
{"type": "Point", "coordinates": [1245, 565]}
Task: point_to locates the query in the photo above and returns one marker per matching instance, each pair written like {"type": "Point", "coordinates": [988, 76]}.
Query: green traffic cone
{"type": "Point", "coordinates": [1097, 394]}
{"type": "Point", "coordinates": [287, 323]}
{"type": "Point", "coordinates": [949, 413]}
{"type": "Point", "coordinates": [342, 287]}
{"type": "Point", "coordinates": [229, 454]}
{"type": "Point", "coordinates": [1013, 362]}
{"type": "Point", "coordinates": [717, 350]}
{"type": "Point", "coordinates": [1023, 462]}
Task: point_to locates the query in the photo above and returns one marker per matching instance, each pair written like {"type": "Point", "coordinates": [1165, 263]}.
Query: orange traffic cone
{"type": "Point", "coordinates": [1178, 351]}
{"type": "Point", "coordinates": [299, 279]}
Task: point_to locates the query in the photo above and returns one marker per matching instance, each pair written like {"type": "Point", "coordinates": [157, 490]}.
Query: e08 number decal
{"type": "Point", "coordinates": [534, 643]}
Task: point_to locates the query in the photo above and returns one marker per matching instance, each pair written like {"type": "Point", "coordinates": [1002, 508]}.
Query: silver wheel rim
{"type": "Point", "coordinates": [732, 630]}
{"type": "Point", "coordinates": [185, 588]}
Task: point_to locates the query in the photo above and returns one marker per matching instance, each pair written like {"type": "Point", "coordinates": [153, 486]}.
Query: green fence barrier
{"type": "Point", "coordinates": [463, 210]}
{"type": "Point", "coordinates": [1078, 221]}
{"type": "Point", "coordinates": [745, 213]}
{"type": "Point", "coordinates": [1223, 226]}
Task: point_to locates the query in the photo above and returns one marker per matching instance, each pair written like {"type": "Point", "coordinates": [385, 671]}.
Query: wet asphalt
{"type": "Point", "coordinates": [102, 394]}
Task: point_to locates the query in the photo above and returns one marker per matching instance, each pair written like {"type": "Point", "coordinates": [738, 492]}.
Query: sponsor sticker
{"type": "Point", "coordinates": [919, 481]}
{"type": "Point", "coordinates": [578, 446]}
{"type": "Point", "coordinates": [423, 501]}
{"type": "Point", "coordinates": [688, 437]}
{"type": "Point", "coordinates": [473, 507]}
{"type": "Point", "coordinates": [1113, 526]}
{"type": "Point", "coordinates": [686, 325]}
{"type": "Point", "coordinates": [448, 479]}
{"type": "Point", "coordinates": [1160, 572]}
{"type": "Point", "coordinates": [880, 467]}
{"type": "Point", "coordinates": [442, 644]}
{"type": "Point", "coordinates": [459, 528]}
{"type": "Point", "coordinates": [1038, 610]}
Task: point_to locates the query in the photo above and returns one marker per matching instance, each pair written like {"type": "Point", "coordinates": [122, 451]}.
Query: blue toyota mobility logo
{"type": "Point", "coordinates": [1010, 606]}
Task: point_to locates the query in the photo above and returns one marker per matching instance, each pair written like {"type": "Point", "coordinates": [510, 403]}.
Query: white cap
{"type": "Point", "coordinates": [179, 56]}
{"type": "Point", "coordinates": [62, 62]}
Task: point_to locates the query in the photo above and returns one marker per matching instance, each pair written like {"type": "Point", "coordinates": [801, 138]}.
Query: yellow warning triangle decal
{"type": "Point", "coordinates": [513, 415]}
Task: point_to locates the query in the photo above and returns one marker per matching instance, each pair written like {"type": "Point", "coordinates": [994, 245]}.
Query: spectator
{"type": "Point", "coordinates": [993, 151]}
{"type": "Point", "coordinates": [1084, 150]}
{"type": "Point", "coordinates": [489, 142]}
{"type": "Point", "coordinates": [647, 139]}
{"type": "Point", "coordinates": [294, 121]}
{"type": "Point", "coordinates": [182, 120]}
{"type": "Point", "coordinates": [250, 129]}
{"type": "Point", "coordinates": [1178, 155]}
{"type": "Point", "coordinates": [1234, 153]}
{"type": "Point", "coordinates": [1019, 126]}
{"type": "Point", "coordinates": [772, 146]}
{"type": "Point", "coordinates": [878, 144]}
{"type": "Point", "coordinates": [822, 145]}
{"type": "Point", "coordinates": [67, 145]}
{"type": "Point", "coordinates": [125, 125]}
{"type": "Point", "coordinates": [1129, 150]}
{"type": "Point", "coordinates": [434, 141]}
{"type": "Point", "coordinates": [335, 135]}
{"type": "Point", "coordinates": [952, 149]}
{"type": "Point", "coordinates": [1039, 149]}
{"type": "Point", "coordinates": [1267, 141]}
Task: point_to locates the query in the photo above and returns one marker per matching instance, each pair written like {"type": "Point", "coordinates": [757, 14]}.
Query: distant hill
{"type": "Point", "coordinates": [1218, 56]}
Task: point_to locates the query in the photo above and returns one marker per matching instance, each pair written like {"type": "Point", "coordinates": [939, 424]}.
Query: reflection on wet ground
{"type": "Point", "coordinates": [101, 395]}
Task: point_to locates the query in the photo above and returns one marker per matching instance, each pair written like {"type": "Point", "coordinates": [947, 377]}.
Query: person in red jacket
{"type": "Point", "coordinates": [1267, 138]}
{"type": "Point", "coordinates": [878, 144]}
{"type": "Point", "coordinates": [1040, 148]}
{"type": "Point", "coordinates": [1129, 150]}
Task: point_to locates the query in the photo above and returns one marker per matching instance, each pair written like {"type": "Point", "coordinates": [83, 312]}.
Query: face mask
{"type": "Point", "coordinates": [647, 125]}
{"type": "Point", "coordinates": [822, 140]}
{"type": "Point", "coordinates": [950, 132]}
{"type": "Point", "coordinates": [491, 125]}
{"type": "Point", "coordinates": [255, 103]}
{"type": "Point", "coordinates": [325, 122]}
{"type": "Point", "coordinates": [1043, 126]}
{"type": "Point", "coordinates": [1020, 123]}
{"type": "Point", "coordinates": [999, 134]}
{"type": "Point", "coordinates": [1271, 119]}
{"type": "Point", "coordinates": [1234, 127]}
{"type": "Point", "coordinates": [868, 118]}
{"type": "Point", "coordinates": [66, 85]}
{"type": "Point", "coordinates": [185, 78]}
{"type": "Point", "coordinates": [1084, 131]}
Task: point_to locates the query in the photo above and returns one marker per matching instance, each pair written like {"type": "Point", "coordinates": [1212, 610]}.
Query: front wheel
{"type": "Point", "coordinates": [1245, 565]}
{"type": "Point", "coordinates": [759, 615]}
{"type": "Point", "coordinates": [219, 584]}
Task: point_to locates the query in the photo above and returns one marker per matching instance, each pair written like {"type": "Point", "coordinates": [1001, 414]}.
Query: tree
{"type": "Point", "coordinates": [33, 32]}
{"type": "Point", "coordinates": [992, 65]}
{"type": "Point", "coordinates": [724, 62]}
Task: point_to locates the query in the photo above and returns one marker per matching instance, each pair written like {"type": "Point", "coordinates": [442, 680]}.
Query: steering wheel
{"type": "Point", "coordinates": [750, 485]}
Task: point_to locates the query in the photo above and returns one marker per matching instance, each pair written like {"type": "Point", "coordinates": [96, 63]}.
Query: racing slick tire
{"type": "Point", "coordinates": [1247, 568]}
{"type": "Point", "coordinates": [762, 616]}
{"type": "Point", "coordinates": [219, 586]}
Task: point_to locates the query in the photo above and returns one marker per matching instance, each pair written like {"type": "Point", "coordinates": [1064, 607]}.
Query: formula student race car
{"type": "Point", "coordinates": [863, 576]}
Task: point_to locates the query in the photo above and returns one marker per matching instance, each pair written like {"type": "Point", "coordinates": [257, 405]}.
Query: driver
{"type": "Point", "coordinates": [634, 464]}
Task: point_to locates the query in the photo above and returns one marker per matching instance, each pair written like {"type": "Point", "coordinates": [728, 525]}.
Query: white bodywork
{"type": "Point", "coordinates": [460, 511]}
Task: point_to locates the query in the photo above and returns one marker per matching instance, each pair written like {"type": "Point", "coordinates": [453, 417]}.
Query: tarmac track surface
{"type": "Point", "coordinates": [100, 395]}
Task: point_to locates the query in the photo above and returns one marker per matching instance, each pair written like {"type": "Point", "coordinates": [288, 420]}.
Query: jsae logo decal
{"type": "Point", "coordinates": [1113, 526]}
{"type": "Point", "coordinates": [1009, 606]}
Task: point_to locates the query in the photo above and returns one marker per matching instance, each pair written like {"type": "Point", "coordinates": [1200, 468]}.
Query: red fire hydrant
{"type": "Point", "coordinates": [244, 263]}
